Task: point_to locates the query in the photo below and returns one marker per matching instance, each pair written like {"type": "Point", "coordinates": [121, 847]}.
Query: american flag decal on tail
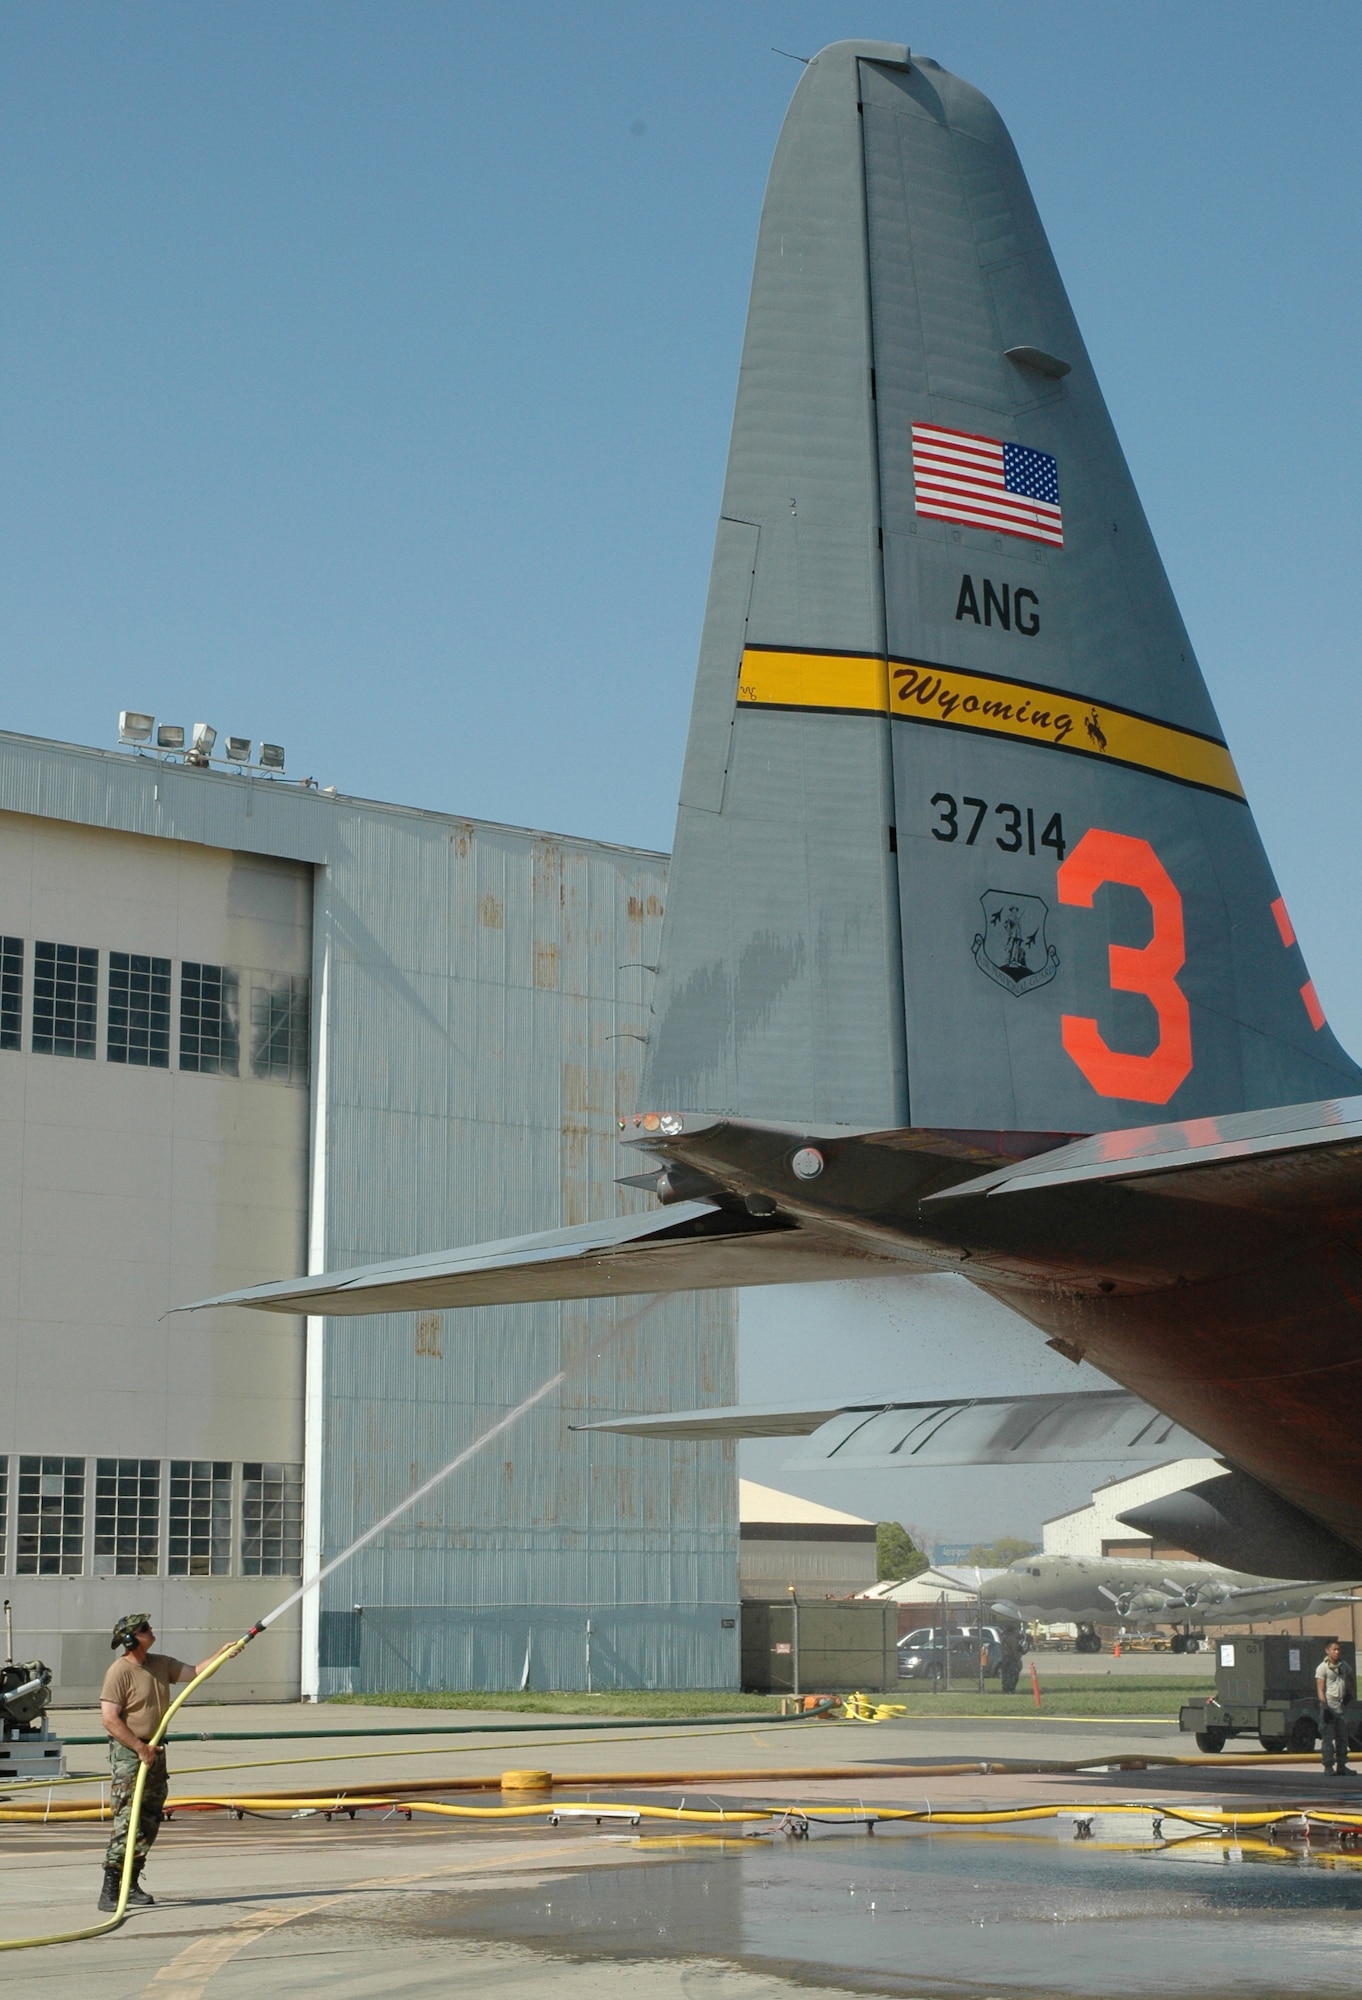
{"type": "Point", "coordinates": [1007, 489]}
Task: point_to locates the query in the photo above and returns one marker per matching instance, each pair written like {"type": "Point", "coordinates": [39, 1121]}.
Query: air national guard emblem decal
{"type": "Point", "coordinates": [1011, 949]}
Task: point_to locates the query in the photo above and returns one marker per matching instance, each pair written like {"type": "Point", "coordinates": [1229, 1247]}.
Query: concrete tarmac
{"type": "Point", "coordinates": [498, 1741]}
{"type": "Point", "coordinates": [301, 1907]}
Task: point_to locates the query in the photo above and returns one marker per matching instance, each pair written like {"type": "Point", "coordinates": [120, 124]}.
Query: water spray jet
{"type": "Point", "coordinates": [230, 1652]}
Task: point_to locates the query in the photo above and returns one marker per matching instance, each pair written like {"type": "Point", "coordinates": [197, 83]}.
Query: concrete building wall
{"type": "Point", "coordinates": [126, 1188]}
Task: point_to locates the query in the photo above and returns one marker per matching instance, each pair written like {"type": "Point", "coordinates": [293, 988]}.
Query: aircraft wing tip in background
{"type": "Point", "coordinates": [1084, 1427]}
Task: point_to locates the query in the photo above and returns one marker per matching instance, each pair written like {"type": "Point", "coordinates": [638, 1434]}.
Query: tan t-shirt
{"type": "Point", "coordinates": [141, 1692]}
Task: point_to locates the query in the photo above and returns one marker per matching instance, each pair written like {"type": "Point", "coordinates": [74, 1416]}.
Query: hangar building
{"type": "Point", "coordinates": [247, 1029]}
{"type": "Point", "coordinates": [792, 1544]}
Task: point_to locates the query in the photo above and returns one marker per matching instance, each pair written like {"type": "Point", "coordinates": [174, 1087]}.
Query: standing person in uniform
{"type": "Point", "coordinates": [1336, 1686]}
{"type": "Point", "coordinates": [1009, 1665]}
{"type": "Point", "coordinates": [134, 1697]}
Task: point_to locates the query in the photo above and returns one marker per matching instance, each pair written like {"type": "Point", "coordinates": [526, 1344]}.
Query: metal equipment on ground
{"type": "Point", "coordinates": [793, 1645]}
{"type": "Point", "coordinates": [28, 1749]}
{"type": "Point", "coordinates": [1264, 1687]}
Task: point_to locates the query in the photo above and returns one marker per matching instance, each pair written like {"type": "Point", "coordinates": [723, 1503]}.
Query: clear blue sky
{"type": "Point", "coordinates": [367, 372]}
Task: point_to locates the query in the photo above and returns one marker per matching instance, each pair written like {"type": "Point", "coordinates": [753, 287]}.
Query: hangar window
{"type": "Point", "coordinates": [271, 1520]}
{"type": "Point", "coordinates": [200, 1517]}
{"type": "Point", "coordinates": [11, 993]}
{"type": "Point", "coordinates": [127, 1516]}
{"type": "Point", "coordinates": [65, 1000]}
{"type": "Point", "coordinates": [50, 1524]}
{"type": "Point", "coordinates": [210, 1016]}
{"type": "Point", "coordinates": [139, 1010]}
{"type": "Point", "coordinates": [279, 1027]}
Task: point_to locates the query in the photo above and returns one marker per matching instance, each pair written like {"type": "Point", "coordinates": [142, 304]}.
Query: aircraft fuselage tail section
{"type": "Point", "coordinates": [960, 842]}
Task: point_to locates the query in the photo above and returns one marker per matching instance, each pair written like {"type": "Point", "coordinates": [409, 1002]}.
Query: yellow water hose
{"type": "Point", "coordinates": [1229, 1818]}
{"type": "Point", "coordinates": [981, 1766]}
{"type": "Point", "coordinates": [79, 1813]}
{"type": "Point", "coordinates": [112, 1923]}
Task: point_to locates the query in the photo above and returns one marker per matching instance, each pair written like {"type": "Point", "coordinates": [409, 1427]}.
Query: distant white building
{"type": "Point", "coordinates": [1097, 1530]}
{"type": "Point", "coordinates": [945, 1593]}
{"type": "Point", "coordinates": [786, 1540]}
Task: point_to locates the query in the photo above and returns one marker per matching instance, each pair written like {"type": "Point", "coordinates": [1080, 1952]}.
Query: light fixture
{"type": "Point", "coordinates": [170, 736]}
{"type": "Point", "coordinates": [807, 1163]}
{"type": "Point", "coordinates": [271, 756]}
{"type": "Point", "coordinates": [205, 736]}
{"type": "Point", "coordinates": [133, 727]}
{"type": "Point", "coordinates": [239, 749]}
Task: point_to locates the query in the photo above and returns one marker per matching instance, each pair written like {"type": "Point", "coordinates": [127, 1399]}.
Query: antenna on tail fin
{"type": "Point", "coordinates": [960, 842]}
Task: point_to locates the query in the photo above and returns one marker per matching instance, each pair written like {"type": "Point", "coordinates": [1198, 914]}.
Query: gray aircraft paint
{"type": "Point", "coordinates": [780, 974]}
{"type": "Point", "coordinates": [1060, 1587]}
{"type": "Point", "coordinates": [1073, 1427]}
{"type": "Point", "coordinates": [808, 971]}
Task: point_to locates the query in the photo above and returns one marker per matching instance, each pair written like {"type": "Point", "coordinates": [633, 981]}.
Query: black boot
{"type": "Point", "coordinates": [108, 1895]}
{"type": "Point", "coordinates": [136, 1893]}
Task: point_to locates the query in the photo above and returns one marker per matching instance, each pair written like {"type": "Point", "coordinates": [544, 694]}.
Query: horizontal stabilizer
{"type": "Point", "coordinates": [1298, 1156]}
{"type": "Point", "coordinates": [693, 1246]}
{"type": "Point", "coordinates": [755, 1420]}
{"type": "Point", "coordinates": [1094, 1426]}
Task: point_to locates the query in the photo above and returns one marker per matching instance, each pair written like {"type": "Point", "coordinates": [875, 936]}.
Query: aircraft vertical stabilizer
{"type": "Point", "coordinates": [960, 842]}
{"type": "Point", "coordinates": [963, 866]}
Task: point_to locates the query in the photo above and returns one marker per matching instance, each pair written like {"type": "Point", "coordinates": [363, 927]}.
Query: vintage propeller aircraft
{"type": "Point", "coordinates": [973, 959]}
{"type": "Point", "coordinates": [1088, 1591]}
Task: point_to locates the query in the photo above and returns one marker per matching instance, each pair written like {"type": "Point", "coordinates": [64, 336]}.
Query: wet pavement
{"type": "Point", "coordinates": [954, 1914]}
{"type": "Point", "coordinates": [1090, 1903]}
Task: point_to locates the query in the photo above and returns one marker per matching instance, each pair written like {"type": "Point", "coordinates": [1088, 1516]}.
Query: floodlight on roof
{"type": "Point", "coordinates": [170, 736]}
{"type": "Point", "coordinates": [134, 727]}
{"type": "Point", "coordinates": [239, 749]}
{"type": "Point", "coordinates": [271, 756]}
{"type": "Point", "coordinates": [204, 737]}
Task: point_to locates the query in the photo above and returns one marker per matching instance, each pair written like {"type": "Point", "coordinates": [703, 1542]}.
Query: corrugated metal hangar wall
{"type": "Point", "coordinates": [477, 998]}
{"type": "Point", "coordinates": [470, 1093]}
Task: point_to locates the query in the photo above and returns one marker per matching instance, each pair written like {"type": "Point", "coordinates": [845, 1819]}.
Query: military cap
{"type": "Point", "coordinates": [126, 1630]}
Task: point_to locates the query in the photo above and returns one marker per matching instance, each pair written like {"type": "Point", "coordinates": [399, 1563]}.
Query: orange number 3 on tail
{"type": "Point", "coordinates": [1150, 969]}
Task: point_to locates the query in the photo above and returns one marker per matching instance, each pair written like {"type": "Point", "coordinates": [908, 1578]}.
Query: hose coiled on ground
{"type": "Point", "coordinates": [135, 1816]}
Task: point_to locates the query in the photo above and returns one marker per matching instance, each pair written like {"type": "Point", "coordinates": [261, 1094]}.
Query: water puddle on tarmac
{"type": "Point", "coordinates": [959, 1914]}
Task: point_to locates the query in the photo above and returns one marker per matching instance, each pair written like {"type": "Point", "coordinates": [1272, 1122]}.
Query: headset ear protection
{"type": "Point", "coordinates": [126, 1630]}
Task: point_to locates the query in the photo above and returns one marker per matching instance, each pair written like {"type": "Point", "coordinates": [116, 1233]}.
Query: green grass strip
{"type": "Point", "coordinates": [1145, 1696]}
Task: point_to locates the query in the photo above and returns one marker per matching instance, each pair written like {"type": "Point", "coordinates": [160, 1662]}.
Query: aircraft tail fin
{"type": "Point", "coordinates": [960, 842]}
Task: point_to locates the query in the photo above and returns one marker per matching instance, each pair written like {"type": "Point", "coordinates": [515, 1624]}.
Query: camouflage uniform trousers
{"type": "Point", "coordinates": [125, 1764]}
